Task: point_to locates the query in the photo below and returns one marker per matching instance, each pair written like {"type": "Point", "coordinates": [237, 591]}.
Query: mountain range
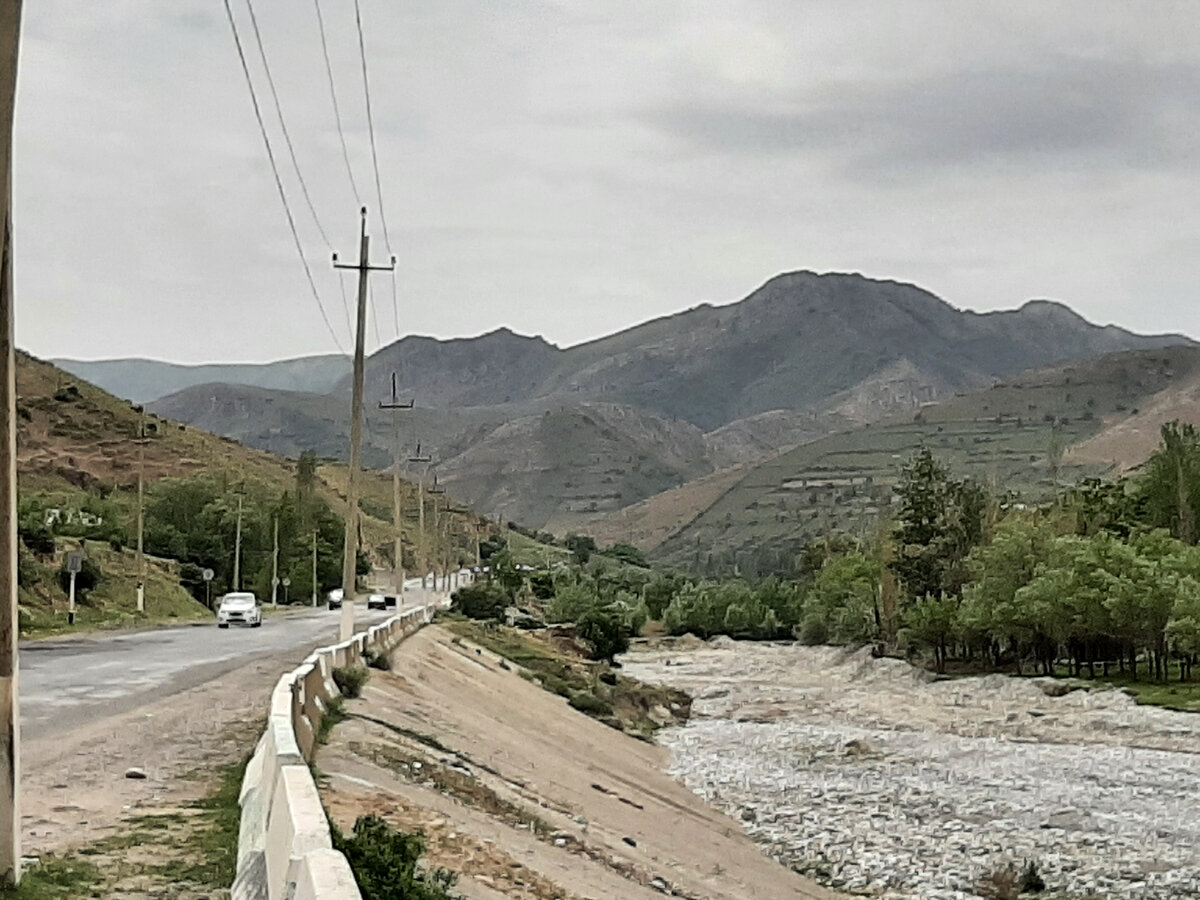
{"type": "Point", "coordinates": [563, 437]}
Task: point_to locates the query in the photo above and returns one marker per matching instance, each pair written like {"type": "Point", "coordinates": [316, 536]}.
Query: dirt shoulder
{"type": "Point", "coordinates": [167, 835]}
{"type": "Point", "coordinates": [524, 796]}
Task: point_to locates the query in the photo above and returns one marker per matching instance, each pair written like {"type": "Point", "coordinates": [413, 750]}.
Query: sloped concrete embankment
{"type": "Point", "coordinates": [284, 845]}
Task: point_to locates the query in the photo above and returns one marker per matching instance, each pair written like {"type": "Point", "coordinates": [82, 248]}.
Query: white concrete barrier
{"type": "Point", "coordinates": [284, 846]}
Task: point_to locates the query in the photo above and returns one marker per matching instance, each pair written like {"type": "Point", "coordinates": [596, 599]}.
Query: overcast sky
{"type": "Point", "coordinates": [569, 169]}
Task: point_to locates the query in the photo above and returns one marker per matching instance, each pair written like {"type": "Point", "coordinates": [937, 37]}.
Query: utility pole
{"type": "Point", "coordinates": [141, 511]}
{"type": "Point", "coordinates": [437, 554]}
{"type": "Point", "coordinates": [350, 547]}
{"type": "Point", "coordinates": [397, 521]}
{"type": "Point", "coordinates": [422, 560]}
{"type": "Point", "coordinates": [237, 549]}
{"type": "Point", "coordinates": [10, 719]}
{"type": "Point", "coordinates": [275, 568]}
{"type": "Point", "coordinates": [314, 591]}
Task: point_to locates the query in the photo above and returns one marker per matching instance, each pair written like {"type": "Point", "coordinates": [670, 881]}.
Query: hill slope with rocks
{"type": "Point", "coordinates": [803, 356]}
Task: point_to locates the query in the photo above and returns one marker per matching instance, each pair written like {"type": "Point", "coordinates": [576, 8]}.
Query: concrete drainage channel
{"type": "Point", "coordinates": [284, 847]}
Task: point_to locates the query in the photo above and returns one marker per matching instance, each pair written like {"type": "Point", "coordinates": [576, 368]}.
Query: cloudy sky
{"type": "Point", "coordinates": [569, 169]}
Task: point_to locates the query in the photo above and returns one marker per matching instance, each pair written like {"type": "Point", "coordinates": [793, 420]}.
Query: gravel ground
{"type": "Point", "coordinates": [875, 779]}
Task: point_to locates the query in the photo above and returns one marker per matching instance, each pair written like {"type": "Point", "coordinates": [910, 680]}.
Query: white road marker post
{"type": "Point", "coordinates": [74, 567]}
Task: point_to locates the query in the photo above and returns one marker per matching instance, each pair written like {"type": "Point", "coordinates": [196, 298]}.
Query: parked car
{"type": "Point", "coordinates": [239, 608]}
{"type": "Point", "coordinates": [334, 598]}
{"type": "Point", "coordinates": [376, 601]}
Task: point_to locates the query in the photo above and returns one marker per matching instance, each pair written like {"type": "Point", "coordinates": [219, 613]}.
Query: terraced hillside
{"type": "Point", "coordinates": [802, 356]}
{"type": "Point", "coordinates": [1010, 436]}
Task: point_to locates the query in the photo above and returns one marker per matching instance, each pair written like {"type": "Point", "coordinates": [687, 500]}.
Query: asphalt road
{"type": "Point", "coordinates": [72, 681]}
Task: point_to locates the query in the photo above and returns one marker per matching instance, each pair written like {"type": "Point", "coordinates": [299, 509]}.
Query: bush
{"type": "Point", "coordinates": [812, 631]}
{"type": "Point", "coordinates": [385, 863]}
{"type": "Point", "coordinates": [1031, 879]}
{"type": "Point", "coordinates": [335, 711]}
{"type": "Point", "coordinates": [37, 537]}
{"type": "Point", "coordinates": [380, 661]}
{"type": "Point", "coordinates": [350, 679]}
{"type": "Point", "coordinates": [605, 632]}
{"type": "Point", "coordinates": [481, 600]}
{"type": "Point", "coordinates": [587, 702]}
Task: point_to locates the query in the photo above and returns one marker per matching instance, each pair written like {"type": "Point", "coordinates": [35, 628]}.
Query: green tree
{"type": "Point", "coordinates": [939, 521]}
{"type": "Point", "coordinates": [582, 546]}
{"type": "Point", "coordinates": [605, 631]}
{"type": "Point", "coordinates": [1170, 484]}
{"type": "Point", "coordinates": [933, 624]}
{"type": "Point", "coordinates": [845, 598]}
{"type": "Point", "coordinates": [991, 611]}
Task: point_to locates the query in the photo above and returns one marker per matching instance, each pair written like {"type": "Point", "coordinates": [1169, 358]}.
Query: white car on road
{"type": "Point", "coordinates": [239, 608]}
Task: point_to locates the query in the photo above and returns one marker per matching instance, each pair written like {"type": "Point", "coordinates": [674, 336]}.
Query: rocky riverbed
{"type": "Point", "coordinates": [878, 780]}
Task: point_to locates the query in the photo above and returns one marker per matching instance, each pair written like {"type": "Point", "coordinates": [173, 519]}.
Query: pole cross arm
{"type": "Point", "coordinates": [362, 267]}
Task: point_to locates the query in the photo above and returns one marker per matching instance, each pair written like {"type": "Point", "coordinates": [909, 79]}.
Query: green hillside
{"type": "Point", "coordinates": [1005, 437]}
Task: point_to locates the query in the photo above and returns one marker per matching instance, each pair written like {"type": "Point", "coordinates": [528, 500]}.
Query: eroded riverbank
{"type": "Point", "coordinates": [872, 778]}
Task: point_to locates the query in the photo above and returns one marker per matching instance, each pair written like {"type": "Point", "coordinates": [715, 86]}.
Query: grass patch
{"type": "Point", "coordinates": [350, 680]}
{"type": "Point", "coordinates": [1183, 696]}
{"type": "Point", "coordinates": [335, 712]}
{"type": "Point", "coordinates": [623, 703]}
{"type": "Point", "coordinates": [58, 878]}
{"type": "Point", "coordinates": [213, 838]}
{"type": "Point", "coordinates": [195, 849]}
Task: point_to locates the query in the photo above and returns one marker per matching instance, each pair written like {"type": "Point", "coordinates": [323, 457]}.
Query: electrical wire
{"type": "Point", "coordinates": [287, 138]}
{"type": "Point", "coordinates": [345, 301]}
{"type": "Point", "coordinates": [287, 209]}
{"type": "Point", "coordinates": [362, 53]}
{"type": "Point", "coordinates": [337, 113]}
{"type": "Point", "coordinates": [374, 315]}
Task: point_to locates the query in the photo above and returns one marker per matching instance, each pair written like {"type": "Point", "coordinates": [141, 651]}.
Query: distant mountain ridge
{"type": "Point", "coordinates": [802, 356]}
{"type": "Point", "coordinates": [144, 380]}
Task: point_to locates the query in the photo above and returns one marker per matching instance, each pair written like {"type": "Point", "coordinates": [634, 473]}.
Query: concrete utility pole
{"type": "Point", "coordinates": [10, 719]}
{"type": "Point", "coordinates": [237, 550]}
{"type": "Point", "coordinates": [350, 547]}
{"type": "Point", "coordinates": [315, 587]}
{"type": "Point", "coordinates": [141, 511]}
{"type": "Point", "coordinates": [439, 560]}
{"type": "Point", "coordinates": [422, 560]}
{"type": "Point", "coordinates": [397, 520]}
{"type": "Point", "coordinates": [275, 567]}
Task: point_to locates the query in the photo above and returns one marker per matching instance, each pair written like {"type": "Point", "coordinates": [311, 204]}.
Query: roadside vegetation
{"type": "Point", "coordinates": [387, 863]}
{"type": "Point", "coordinates": [1102, 583]}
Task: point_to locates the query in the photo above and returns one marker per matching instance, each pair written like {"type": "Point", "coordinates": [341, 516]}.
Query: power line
{"type": "Point", "coordinates": [337, 113]}
{"type": "Point", "coordinates": [287, 138]}
{"type": "Point", "coordinates": [362, 53]}
{"type": "Point", "coordinates": [345, 303]}
{"type": "Point", "coordinates": [374, 317]}
{"type": "Point", "coordinates": [312, 285]}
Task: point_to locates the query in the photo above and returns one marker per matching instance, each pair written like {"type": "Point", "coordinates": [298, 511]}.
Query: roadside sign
{"type": "Point", "coordinates": [207, 574]}
{"type": "Point", "coordinates": [74, 562]}
{"type": "Point", "coordinates": [274, 581]}
{"type": "Point", "coordinates": [287, 582]}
